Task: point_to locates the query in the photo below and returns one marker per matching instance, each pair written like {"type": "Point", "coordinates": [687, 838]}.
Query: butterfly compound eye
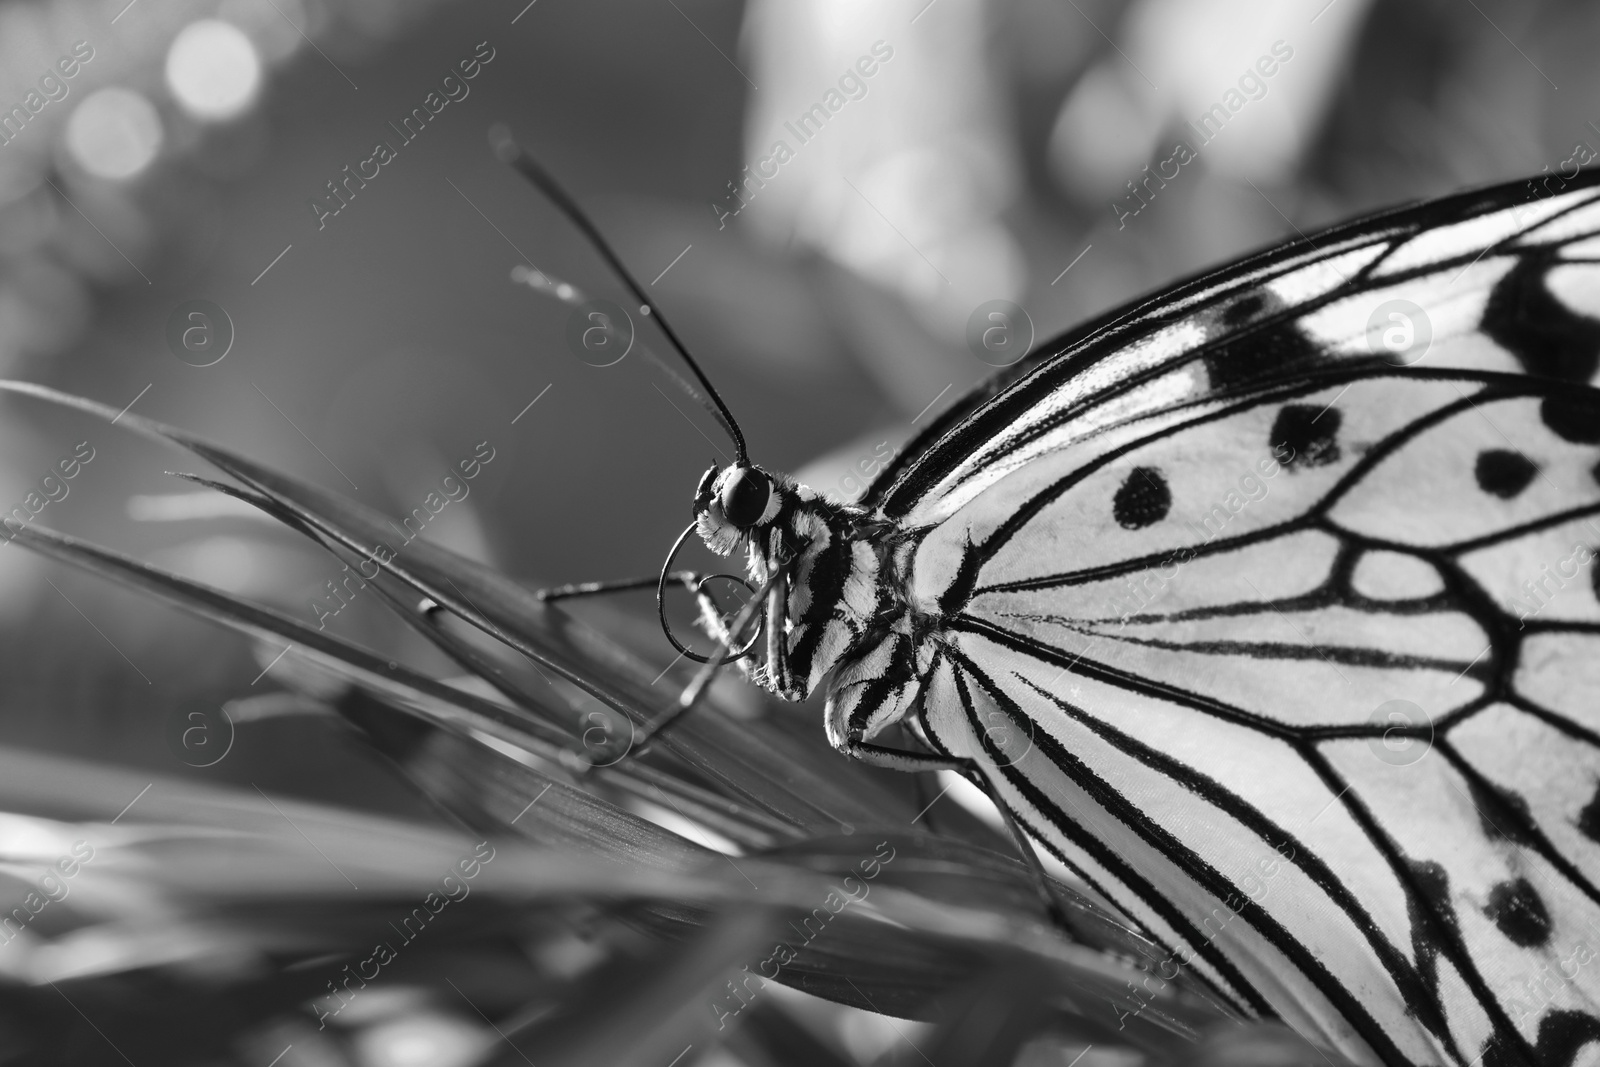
{"type": "Point", "coordinates": [744, 497]}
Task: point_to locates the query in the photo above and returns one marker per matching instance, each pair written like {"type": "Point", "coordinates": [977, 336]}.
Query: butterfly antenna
{"type": "Point", "coordinates": [506, 147]}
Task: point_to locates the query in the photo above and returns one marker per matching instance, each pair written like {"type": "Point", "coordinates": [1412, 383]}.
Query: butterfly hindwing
{"type": "Point", "coordinates": [1240, 902]}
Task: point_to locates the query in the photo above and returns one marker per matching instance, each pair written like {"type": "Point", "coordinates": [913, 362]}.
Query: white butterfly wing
{"type": "Point", "coordinates": [1288, 639]}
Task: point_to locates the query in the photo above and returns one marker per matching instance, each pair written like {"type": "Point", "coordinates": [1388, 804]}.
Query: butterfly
{"type": "Point", "coordinates": [1268, 606]}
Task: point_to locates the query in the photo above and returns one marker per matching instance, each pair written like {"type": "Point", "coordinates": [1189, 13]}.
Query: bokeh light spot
{"type": "Point", "coordinates": [114, 133]}
{"type": "Point", "coordinates": [213, 70]}
{"type": "Point", "coordinates": [422, 1039]}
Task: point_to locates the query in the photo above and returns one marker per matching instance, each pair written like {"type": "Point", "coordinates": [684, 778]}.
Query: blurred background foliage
{"type": "Point", "coordinates": [989, 156]}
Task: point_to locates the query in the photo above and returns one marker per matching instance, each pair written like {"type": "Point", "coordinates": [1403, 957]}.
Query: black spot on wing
{"type": "Point", "coordinates": [1588, 821]}
{"type": "Point", "coordinates": [1502, 473]}
{"type": "Point", "coordinates": [1562, 1035]}
{"type": "Point", "coordinates": [1243, 310]}
{"type": "Point", "coordinates": [1516, 908]}
{"type": "Point", "coordinates": [1142, 499]}
{"type": "Point", "coordinates": [1434, 922]}
{"type": "Point", "coordinates": [1574, 418]}
{"type": "Point", "coordinates": [1550, 340]}
{"type": "Point", "coordinates": [1307, 435]}
{"type": "Point", "coordinates": [1271, 352]}
{"type": "Point", "coordinates": [1433, 887]}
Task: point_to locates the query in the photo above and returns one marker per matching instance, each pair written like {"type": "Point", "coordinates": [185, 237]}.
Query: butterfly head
{"type": "Point", "coordinates": [734, 502]}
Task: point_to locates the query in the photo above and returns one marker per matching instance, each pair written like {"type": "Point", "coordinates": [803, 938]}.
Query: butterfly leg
{"type": "Point", "coordinates": [730, 638]}
{"type": "Point", "coordinates": [1030, 856]}
{"type": "Point", "coordinates": [777, 665]}
{"type": "Point", "coordinates": [713, 615]}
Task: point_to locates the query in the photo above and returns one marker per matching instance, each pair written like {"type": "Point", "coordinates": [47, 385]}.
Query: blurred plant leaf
{"type": "Point", "coordinates": [647, 1010]}
{"type": "Point", "coordinates": [568, 815]}
{"type": "Point", "coordinates": [279, 876]}
{"type": "Point", "coordinates": [1259, 1045]}
{"type": "Point", "coordinates": [770, 1036]}
{"type": "Point", "coordinates": [990, 1018]}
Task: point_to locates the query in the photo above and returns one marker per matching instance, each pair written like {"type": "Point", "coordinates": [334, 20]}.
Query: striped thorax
{"type": "Point", "coordinates": [838, 601]}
